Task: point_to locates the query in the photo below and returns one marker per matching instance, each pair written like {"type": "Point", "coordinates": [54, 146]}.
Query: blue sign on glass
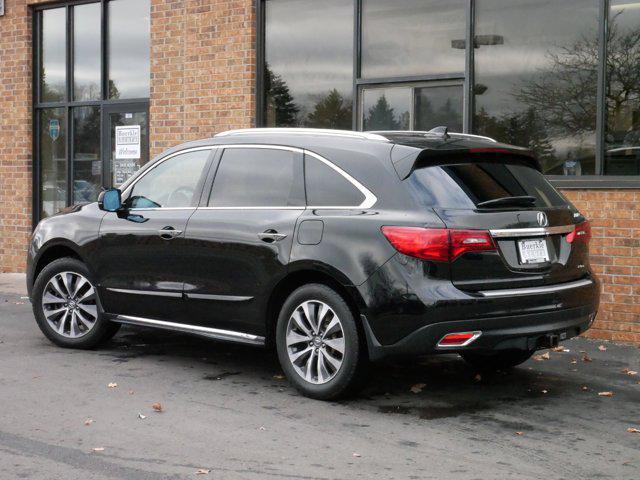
{"type": "Point", "coordinates": [54, 129]}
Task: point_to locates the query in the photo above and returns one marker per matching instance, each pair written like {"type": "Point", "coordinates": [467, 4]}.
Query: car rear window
{"type": "Point", "coordinates": [465, 185]}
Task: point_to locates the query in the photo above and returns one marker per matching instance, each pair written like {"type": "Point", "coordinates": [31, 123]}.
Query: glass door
{"type": "Point", "coordinates": [417, 106]}
{"type": "Point", "coordinates": [126, 141]}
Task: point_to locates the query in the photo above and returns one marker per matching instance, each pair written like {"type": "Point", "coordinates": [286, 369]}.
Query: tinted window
{"type": "Point", "coordinates": [86, 51]}
{"type": "Point", "coordinates": [53, 55]}
{"type": "Point", "coordinates": [173, 183]}
{"type": "Point", "coordinates": [466, 185]}
{"type": "Point", "coordinates": [258, 177]}
{"type": "Point", "coordinates": [326, 187]}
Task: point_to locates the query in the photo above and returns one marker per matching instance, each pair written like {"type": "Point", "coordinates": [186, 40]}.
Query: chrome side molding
{"type": "Point", "coordinates": [531, 232]}
{"type": "Point", "coordinates": [208, 332]}
{"type": "Point", "coordinates": [536, 290]}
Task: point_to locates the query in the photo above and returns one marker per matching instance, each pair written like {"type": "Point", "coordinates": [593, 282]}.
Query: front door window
{"type": "Point", "coordinates": [127, 147]}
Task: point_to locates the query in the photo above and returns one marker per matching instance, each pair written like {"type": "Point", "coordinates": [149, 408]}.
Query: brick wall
{"type": "Point", "coordinates": [15, 134]}
{"type": "Point", "coordinates": [615, 257]}
{"type": "Point", "coordinates": [202, 69]}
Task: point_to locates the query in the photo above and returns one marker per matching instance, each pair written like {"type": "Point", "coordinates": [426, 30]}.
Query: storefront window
{"type": "Point", "coordinates": [87, 164]}
{"type": "Point", "coordinates": [622, 135]}
{"type": "Point", "coordinates": [412, 37]}
{"type": "Point", "coordinates": [53, 47]}
{"type": "Point", "coordinates": [387, 108]}
{"type": "Point", "coordinates": [53, 161]}
{"type": "Point", "coordinates": [536, 80]}
{"type": "Point", "coordinates": [129, 65]}
{"type": "Point", "coordinates": [437, 106]}
{"type": "Point", "coordinates": [86, 52]}
{"type": "Point", "coordinates": [308, 70]}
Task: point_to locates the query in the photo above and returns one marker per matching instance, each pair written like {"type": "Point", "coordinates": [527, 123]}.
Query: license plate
{"type": "Point", "coordinates": [533, 251]}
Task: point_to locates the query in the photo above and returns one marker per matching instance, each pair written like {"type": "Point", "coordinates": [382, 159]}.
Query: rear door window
{"type": "Point", "coordinates": [326, 187]}
{"type": "Point", "coordinates": [258, 177]}
{"type": "Point", "coordinates": [466, 185]}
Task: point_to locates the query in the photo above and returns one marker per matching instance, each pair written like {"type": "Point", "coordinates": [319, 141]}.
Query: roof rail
{"type": "Point", "coordinates": [303, 131]}
{"type": "Point", "coordinates": [434, 132]}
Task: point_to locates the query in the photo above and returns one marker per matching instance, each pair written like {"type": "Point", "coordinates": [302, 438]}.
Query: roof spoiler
{"type": "Point", "coordinates": [406, 159]}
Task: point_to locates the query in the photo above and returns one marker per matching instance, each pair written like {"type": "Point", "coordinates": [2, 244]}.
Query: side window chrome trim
{"type": "Point", "coordinates": [128, 188]}
{"type": "Point", "coordinates": [369, 198]}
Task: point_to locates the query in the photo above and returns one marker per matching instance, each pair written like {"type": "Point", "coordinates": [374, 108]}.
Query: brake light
{"type": "Point", "coordinates": [581, 233]}
{"type": "Point", "coordinates": [438, 244]}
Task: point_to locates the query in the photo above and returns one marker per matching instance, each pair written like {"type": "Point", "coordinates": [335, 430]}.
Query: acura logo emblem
{"type": "Point", "coordinates": [542, 219]}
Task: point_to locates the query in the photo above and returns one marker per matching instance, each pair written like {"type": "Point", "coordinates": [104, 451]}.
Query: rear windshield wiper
{"type": "Point", "coordinates": [523, 200]}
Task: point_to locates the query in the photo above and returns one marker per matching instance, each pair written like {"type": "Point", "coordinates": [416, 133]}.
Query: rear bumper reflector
{"type": "Point", "coordinates": [459, 339]}
{"type": "Point", "coordinates": [536, 290]}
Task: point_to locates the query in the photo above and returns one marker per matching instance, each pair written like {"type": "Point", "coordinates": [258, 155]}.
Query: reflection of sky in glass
{"type": "Point", "coordinates": [412, 37]}
{"type": "Point", "coordinates": [53, 54]}
{"type": "Point", "coordinates": [309, 43]}
{"type": "Point", "coordinates": [398, 99]}
{"type": "Point", "coordinates": [532, 30]}
{"type": "Point", "coordinates": [438, 106]}
{"type": "Point", "coordinates": [129, 31]}
{"type": "Point", "coordinates": [86, 46]}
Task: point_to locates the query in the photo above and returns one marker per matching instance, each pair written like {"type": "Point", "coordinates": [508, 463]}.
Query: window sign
{"type": "Point", "coordinates": [128, 142]}
{"type": "Point", "coordinates": [54, 129]}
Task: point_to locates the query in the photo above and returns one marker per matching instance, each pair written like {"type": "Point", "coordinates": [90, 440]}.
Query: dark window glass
{"type": "Point", "coordinates": [326, 187]}
{"type": "Point", "coordinates": [258, 177]}
{"type": "Point", "coordinates": [386, 108]}
{"type": "Point", "coordinates": [86, 51]}
{"type": "Point", "coordinates": [87, 165]}
{"type": "Point", "coordinates": [129, 31]}
{"type": "Point", "coordinates": [412, 37]}
{"type": "Point", "coordinates": [466, 185]}
{"type": "Point", "coordinates": [308, 76]}
{"type": "Point", "coordinates": [173, 183]}
{"type": "Point", "coordinates": [438, 106]}
{"type": "Point", "coordinates": [536, 79]}
{"type": "Point", "coordinates": [53, 57]}
{"type": "Point", "coordinates": [53, 161]}
{"type": "Point", "coordinates": [622, 137]}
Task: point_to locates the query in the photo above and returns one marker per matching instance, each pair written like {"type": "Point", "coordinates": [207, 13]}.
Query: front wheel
{"type": "Point", "coordinates": [319, 347]}
{"type": "Point", "coordinates": [66, 306]}
{"type": "Point", "coordinates": [501, 360]}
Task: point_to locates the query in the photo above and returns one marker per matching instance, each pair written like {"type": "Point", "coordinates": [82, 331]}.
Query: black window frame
{"type": "Point", "coordinates": [597, 181]}
{"type": "Point", "coordinates": [68, 103]}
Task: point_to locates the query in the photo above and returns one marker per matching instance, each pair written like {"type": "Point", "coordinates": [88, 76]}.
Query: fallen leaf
{"type": "Point", "coordinates": [88, 421]}
{"type": "Point", "coordinates": [278, 377]}
{"type": "Point", "coordinates": [262, 429]}
{"type": "Point", "coordinates": [141, 416]}
{"type": "Point", "coordinates": [602, 348]}
{"type": "Point", "coordinates": [574, 361]}
{"type": "Point", "coordinates": [112, 385]}
{"type": "Point", "coordinates": [541, 358]}
{"type": "Point", "coordinates": [633, 430]}
{"type": "Point", "coordinates": [585, 388]}
{"type": "Point", "coordinates": [98, 449]}
{"type": "Point", "coordinates": [203, 471]}
{"type": "Point", "coordinates": [357, 455]}
{"type": "Point", "coordinates": [417, 388]}
{"type": "Point", "coordinates": [545, 391]}
{"type": "Point", "coordinates": [157, 407]}
{"type": "Point", "coordinates": [605, 394]}
{"type": "Point", "coordinates": [519, 433]}
{"type": "Point", "coordinates": [477, 378]}
{"type": "Point", "coordinates": [131, 392]}
{"type": "Point", "coordinates": [586, 358]}
{"type": "Point", "coordinates": [560, 348]}
{"type": "Point", "coordinates": [629, 372]}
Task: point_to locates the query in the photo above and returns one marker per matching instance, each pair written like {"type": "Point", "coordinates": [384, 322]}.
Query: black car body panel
{"type": "Point", "coordinates": [221, 271]}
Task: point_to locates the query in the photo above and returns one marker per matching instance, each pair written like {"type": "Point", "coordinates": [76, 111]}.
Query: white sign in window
{"type": "Point", "coordinates": [128, 142]}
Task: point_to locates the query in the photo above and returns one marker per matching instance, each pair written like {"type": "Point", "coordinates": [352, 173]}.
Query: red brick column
{"type": "Point", "coordinates": [615, 257]}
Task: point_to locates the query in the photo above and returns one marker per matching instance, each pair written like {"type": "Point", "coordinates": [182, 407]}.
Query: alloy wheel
{"type": "Point", "coordinates": [69, 304]}
{"type": "Point", "coordinates": [315, 342]}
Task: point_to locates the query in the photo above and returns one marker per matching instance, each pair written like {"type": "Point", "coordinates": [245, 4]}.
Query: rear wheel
{"type": "Point", "coordinates": [318, 344]}
{"type": "Point", "coordinates": [67, 308]}
{"type": "Point", "coordinates": [501, 360]}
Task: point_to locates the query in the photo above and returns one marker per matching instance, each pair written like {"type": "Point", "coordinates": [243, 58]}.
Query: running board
{"type": "Point", "coordinates": [215, 333]}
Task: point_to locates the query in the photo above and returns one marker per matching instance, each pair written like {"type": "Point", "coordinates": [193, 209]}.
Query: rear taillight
{"type": "Point", "coordinates": [581, 233]}
{"type": "Point", "coordinates": [438, 244]}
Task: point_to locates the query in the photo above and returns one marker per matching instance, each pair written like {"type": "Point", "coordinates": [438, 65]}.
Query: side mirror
{"type": "Point", "coordinates": [110, 200]}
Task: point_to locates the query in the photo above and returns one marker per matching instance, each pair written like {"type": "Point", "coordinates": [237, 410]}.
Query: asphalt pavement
{"type": "Point", "coordinates": [227, 413]}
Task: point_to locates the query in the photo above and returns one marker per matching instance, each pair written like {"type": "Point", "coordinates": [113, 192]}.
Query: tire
{"type": "Point", "coordinates": [320, 379]}
{"type": "Point", "coordinates": [80, 328]}
{"type": "Point", "coordinates": [502, 360]}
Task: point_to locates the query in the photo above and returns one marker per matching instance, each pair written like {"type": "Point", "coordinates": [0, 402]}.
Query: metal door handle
{"type": "Point", "coordinates": [271, 236]}
{"type": "Point", "coordinates": [168, 233]}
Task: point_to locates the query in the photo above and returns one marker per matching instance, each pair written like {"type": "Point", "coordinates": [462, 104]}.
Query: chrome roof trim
{"type": "Point", "coordinates": [302, 131]}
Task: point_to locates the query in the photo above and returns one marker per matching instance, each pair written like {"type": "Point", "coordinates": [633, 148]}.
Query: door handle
{"type": "Point", "coordinates": [270, 236]}
{"type": "Point", "coordinates": [168, 233]}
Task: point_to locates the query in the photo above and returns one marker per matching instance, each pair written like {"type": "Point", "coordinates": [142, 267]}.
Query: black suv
{"type": "Point", "coordinates": [338, 248]}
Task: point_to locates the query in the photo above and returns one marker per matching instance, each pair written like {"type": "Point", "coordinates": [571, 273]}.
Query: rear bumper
{"type": "Point", "coordinates": [524, 332]}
